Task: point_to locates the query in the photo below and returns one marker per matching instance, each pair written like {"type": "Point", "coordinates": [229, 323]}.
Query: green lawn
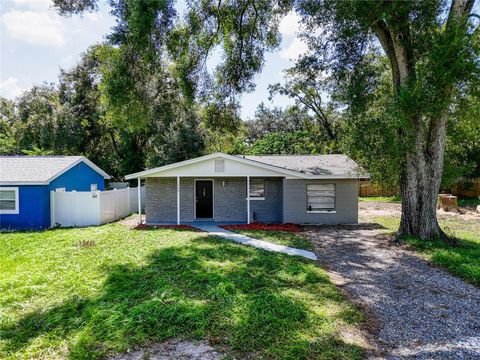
{"type": "Point", "coordinates": [286, 238]}
{"type": "Point", "coordinates": [85, 293]}
{"type": "Point", "coordinates": [463, 260]}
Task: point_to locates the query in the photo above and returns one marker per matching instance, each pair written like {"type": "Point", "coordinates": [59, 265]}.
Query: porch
{"type": "Point", "coordinates": [187, 200]}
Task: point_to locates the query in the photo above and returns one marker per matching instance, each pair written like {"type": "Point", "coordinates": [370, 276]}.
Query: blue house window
{"type": "Point", "coordinates": [9, 200]}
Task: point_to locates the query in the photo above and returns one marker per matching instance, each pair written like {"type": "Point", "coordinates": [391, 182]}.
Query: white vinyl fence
{"type": "Point", "coordinates": [84, 208]}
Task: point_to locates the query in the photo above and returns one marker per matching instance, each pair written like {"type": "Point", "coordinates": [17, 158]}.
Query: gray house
{"type": "Point", "coordinates": [302, 189]}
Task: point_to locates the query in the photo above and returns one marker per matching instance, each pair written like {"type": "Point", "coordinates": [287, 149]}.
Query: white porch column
{"type": "Point", "coordinates": [248, 199]}
{"type": "Point", "coordinates": [139, 192]}
{"type": "Point", "coordinates": [178, 200]}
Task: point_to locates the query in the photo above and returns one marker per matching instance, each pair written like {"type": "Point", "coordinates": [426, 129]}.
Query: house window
{"type": "Point", "coordinates": [257, 189]}
{"type": "Point", "coordinates": [9, 200]}
{"type": "Point", "coordinates": [219, 165]}
{"type": "Point", "coordinates": [320, 197]}
{"type": "Point", "coordinates": [93, 187]}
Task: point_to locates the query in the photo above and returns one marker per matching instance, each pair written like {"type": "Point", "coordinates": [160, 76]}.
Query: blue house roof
{"type": "Point", "coordinates": [39, 170]}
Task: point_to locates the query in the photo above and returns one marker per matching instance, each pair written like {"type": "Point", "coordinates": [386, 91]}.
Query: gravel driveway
{"type": "Point", "coordinates": [414, 310]}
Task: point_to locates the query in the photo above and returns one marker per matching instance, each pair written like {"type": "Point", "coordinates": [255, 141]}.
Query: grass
{"type": "Point", "coordinates": [462, 260]}
{"type": "Point", "coordinates": [395, 198]}
{"type": "Point", "coordinates": [85, 293]}
{"type": "Point", "coordinates": [286, 238]}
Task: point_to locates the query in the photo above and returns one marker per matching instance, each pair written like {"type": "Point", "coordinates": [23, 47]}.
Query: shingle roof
{"type": "Point", "coordinates": [334, 164]}
{"type": "Point", "coordinates": [39, 169]}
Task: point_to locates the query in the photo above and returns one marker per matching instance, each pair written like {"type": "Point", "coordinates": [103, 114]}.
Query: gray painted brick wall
{"type": "Point", "coordinates": [231, 200]}
{"type": "Point", "coordinates": [187, 199]}
{"type": "Point", "coordinates": [285, 201]}
{"type": "Point", "coordinates": [295, 202]}
{"type": "Point", "coordinates": [160, 200]}
{"type": "Point", "coordinates": [269, 210]}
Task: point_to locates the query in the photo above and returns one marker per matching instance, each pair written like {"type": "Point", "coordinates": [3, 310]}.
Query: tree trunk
{"type": "Point", "coordinates": [420, 183]}
{"type": "Point", "coordinates": [419, 204]}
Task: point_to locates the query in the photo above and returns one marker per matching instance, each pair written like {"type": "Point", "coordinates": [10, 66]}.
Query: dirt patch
{"type": "Point", "coordinates": [463, 213]}
{"type": "Point", "coordinates": [173, 349]}
{"type": "Point", "coordinates": [131, 221]}
{"type": "Point", "coordinates": [369, 210]}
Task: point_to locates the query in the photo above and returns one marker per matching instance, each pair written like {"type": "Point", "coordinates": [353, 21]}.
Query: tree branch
{"type": "Point", "coordinates": [383, 35]}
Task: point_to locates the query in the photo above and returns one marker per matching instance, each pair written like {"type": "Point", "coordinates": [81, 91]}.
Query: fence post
{"type": "Point", "coordinates": [52, 208]}
{"type": "Point", "coordinates": [74, 207]}
{"type": "Point", "coordinates": [128, 199]}
{"type": "Point", "coordinates": [139, 193]}
{"type": "Point", "coordinates": [115, 203]}
{"type": "Point", "coordinates": [98, 193]}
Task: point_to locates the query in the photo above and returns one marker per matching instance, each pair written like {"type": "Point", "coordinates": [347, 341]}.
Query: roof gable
{"type": "Point", "coordinates": [39, 170]}
{"type": "Point", "coordinates": [301, 166]}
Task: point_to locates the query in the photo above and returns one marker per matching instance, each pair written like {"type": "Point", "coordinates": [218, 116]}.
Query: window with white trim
{"type": "Point", "coordinates": [257, 188]}
{"type": "Point", "coordinates": [93, 187]}
{"type": "Point", "coordinates": [9, 200]}
{"type": "Point", "coordinates": [320, 197]}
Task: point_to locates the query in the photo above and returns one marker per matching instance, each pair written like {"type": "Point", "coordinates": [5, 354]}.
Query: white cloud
{"type": "Point", "coordinates": [33, 4]}
{"type": "Point", "coordinates": [296, 48]}
{"type": "Point", "coordinates": [67, 61]}
{"type": "Point", "coordinates": [36, 27]}
{"type": "Point", "coordinates": [93, 16]}
{"type": "Point", "coordinates": [9, 88]}
{"type": "Point", "coordinates": [290, 24]}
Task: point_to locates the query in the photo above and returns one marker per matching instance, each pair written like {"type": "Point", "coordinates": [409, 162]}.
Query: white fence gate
{"type": "Point", "coordinates": [84, 208]}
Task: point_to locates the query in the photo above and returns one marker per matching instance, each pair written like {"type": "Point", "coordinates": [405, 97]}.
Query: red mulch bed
{"type": "Point", "coordinates": [174, 227]}
{"type": "Point", "coordinates": [264, 227]}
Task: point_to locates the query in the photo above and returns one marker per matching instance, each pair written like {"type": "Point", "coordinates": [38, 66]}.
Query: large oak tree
{"type": "Point", "coordinates": [432, 48]}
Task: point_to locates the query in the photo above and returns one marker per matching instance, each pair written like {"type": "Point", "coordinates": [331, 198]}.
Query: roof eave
{"type": "Point", "coordinates": [14, 183]}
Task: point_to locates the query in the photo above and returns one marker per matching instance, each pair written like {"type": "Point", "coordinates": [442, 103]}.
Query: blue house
{"type": "Point", "coordinates": [26, 182]}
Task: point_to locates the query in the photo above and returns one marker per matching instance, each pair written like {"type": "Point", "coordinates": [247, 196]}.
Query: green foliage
{"type": "Point", "coordinates": [371, 125]}
{"type": "Point", "coordinates": [8, 144]}
{"type": "Point", "coordinates": [289, 131]}
{"type": "Point", "coordinates": [37, 152]}
{"type": "Point", "coordinates": [307, 89]}
{"type": "Point", "coordinates": [132, 288]}
{"type": "Point", "coordinates": [93, 113]}
{"type": "Point", "coordinates": [462, 151]}
{"type": "Point", "coordinates": [297, 142]}
{"type": "Point", "coordinates": [244, 30]}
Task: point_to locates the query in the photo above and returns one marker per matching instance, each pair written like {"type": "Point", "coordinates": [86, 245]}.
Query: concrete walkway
{"type": "Point", "coordinates": [265, 245]}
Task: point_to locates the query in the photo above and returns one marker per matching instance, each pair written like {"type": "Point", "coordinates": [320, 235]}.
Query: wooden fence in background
{"type": "Point", "coordinates": [367, 189]}
{"type": "Point", "coordinates": [466, 188]}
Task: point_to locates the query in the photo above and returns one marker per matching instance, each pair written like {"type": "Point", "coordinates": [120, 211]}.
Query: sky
{"type": "Point", "coordinates": [35, 43]}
